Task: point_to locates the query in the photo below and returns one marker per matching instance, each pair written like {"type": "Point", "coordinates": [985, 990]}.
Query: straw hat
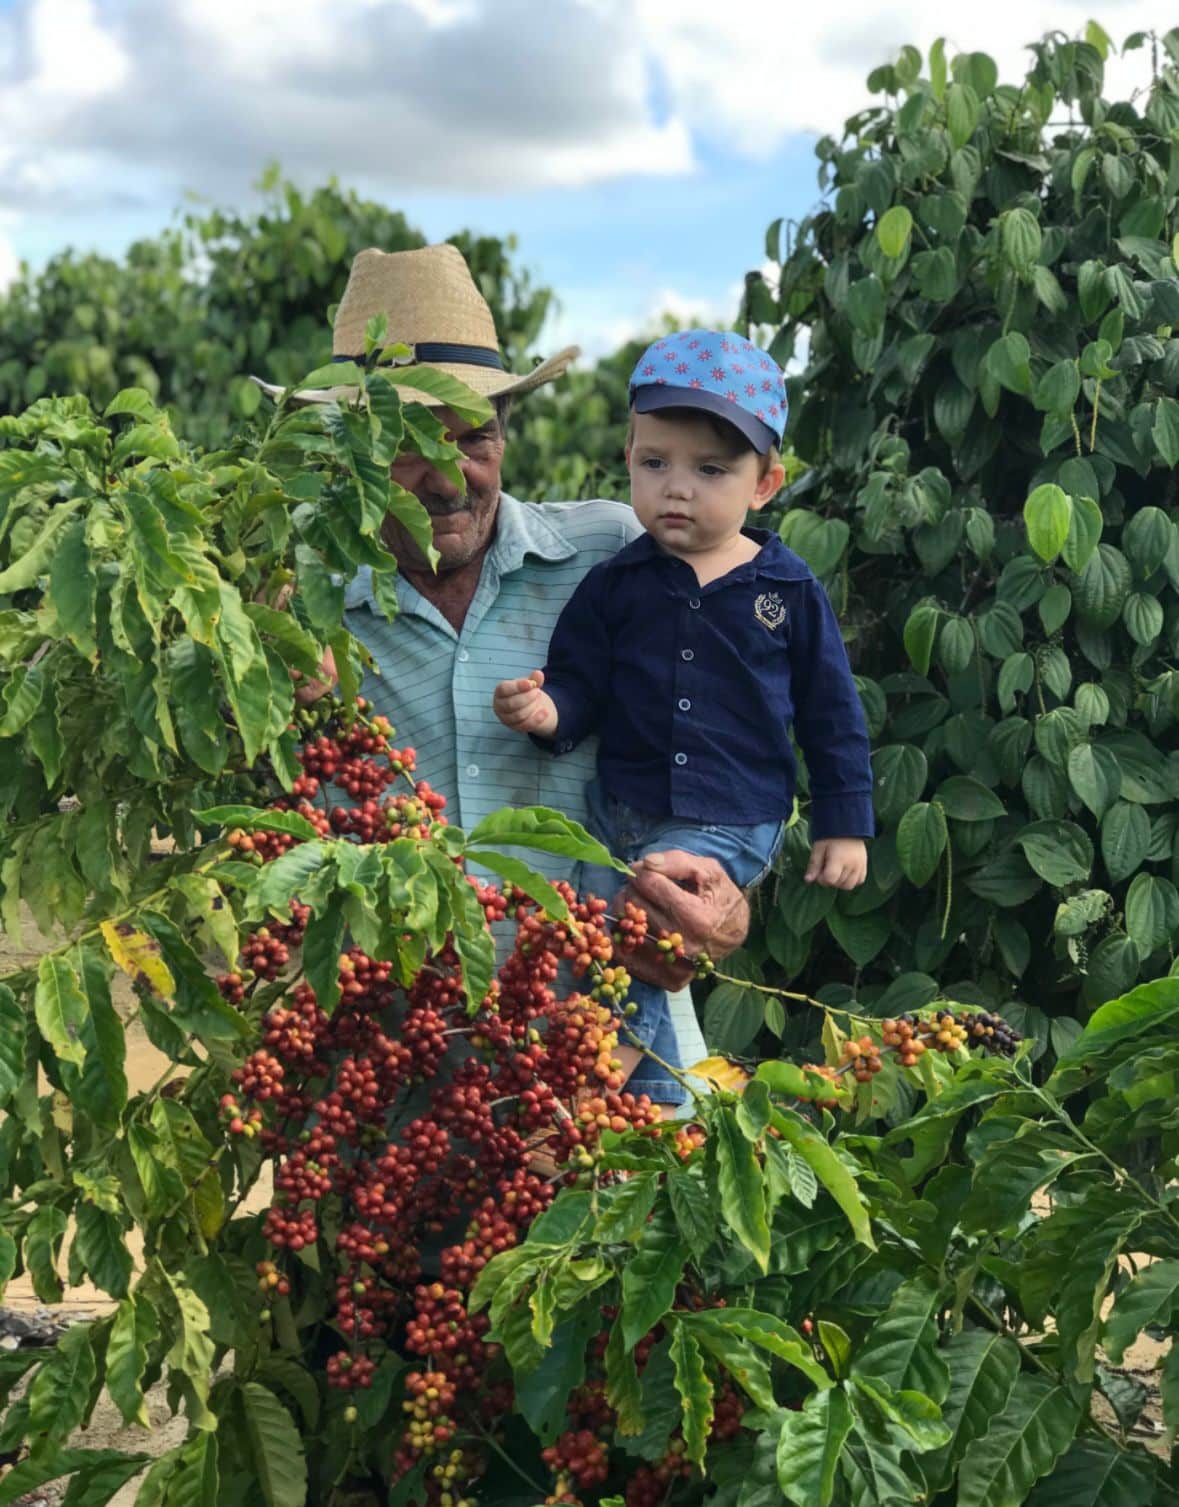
{"type": "Point", "coordinates": [432, 304]}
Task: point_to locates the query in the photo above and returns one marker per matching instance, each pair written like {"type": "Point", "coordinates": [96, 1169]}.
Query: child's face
{"type": "Point", "coordinates": [688, 492]}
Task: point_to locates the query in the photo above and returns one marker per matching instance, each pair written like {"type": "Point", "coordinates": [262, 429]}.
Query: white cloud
{"type": "Point", "coordinates": [130, 103]}
{"type": "Point", "coordinates": [749, 72]}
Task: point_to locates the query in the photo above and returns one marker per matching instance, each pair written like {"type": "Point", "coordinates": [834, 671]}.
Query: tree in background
{"type": "Point", "coordinates": [188, 314]}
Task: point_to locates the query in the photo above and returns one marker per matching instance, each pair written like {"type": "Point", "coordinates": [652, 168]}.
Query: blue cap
{"type": "Point", "coordinates": [716, 371]}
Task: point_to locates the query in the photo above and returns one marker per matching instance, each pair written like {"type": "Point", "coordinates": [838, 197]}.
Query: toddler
{"type": "Point", "coordinates": [695, 652]}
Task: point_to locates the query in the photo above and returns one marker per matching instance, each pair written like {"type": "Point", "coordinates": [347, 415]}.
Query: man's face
{"type": "Point", "coordinates": [463, 522]}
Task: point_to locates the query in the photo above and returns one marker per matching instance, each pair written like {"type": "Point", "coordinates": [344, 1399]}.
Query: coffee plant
{"type": "Point", "coordinates": [986, 305]}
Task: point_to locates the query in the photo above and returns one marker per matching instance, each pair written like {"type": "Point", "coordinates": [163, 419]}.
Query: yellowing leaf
{"type": "Point", "coordinates": [720, 1073]}
{"type": "Point", "coordinates": [138, 955]}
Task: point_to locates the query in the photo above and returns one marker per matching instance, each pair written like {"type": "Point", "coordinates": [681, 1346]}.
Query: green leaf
{"type": "Point", "coordinates": [440, 388]}
{"type": "Point", "coordinates": [1095, 1472]}
{"type": "Point", "coordinates": [42, 1245]}
{"type": "Point", "coordinates": [1054, 607]}
{"type": "Point", "coordinates": [1016, 678]}
{"type": "Point", "coordinates": [14, 1028]}
{"type": "Point", "coordinates": [827, 1167]}
{"type": "Point", "coordinates": [694, 1213]}
{"type": "Point", "coordinates": [968, 800]}
{"type": "Point", "coordinates": [651, 1275]}
{"type": "Point", "coordinates": [983, 1367]}
{"type": "Point", "coordinates": [741, 1186]}
{"type": "Point", "coordinates": [1152, 912]}
{"type": "Point", "coordinates": [61, 1008]}
{"type": "Point", "coordinates": [276, 1450]}
{"type": "Point", "coordinates": [539, 827]}
{"type": "Point", "coordinates": [811, 1442]}
{"type": "Point", "coordinates": [134, 1328]}
{"type": "Point", "coordinates": [921, 840]}
{"type": "Point", "coordinates": [1165, 431]}
{"type": "Point", "coordinates": [1008, 364]}
{"type": "Point", "coordinates": [760, 1329]}
{"type": "Point", "coordinates": [516, 872]}
{"type": "Point", "coordinates": [1023, 1443]}
{"type": "Point", "coordinates": [100, 1246]}
{"type": "Point", "coordinates": [622, 1382]}
{"type": "Point", "coordinates": [1048, 514]}
{"type": "Point", "coordinates": [37, 557]}
{"type": "Point", "coordinates": [191, 1353]}
{"type": "Point", "coordinates": [1148, 539]}
{"type": "Point", "coordinates": [1125, 838]}
{"type": "Point", "coordinates": [917, 1416]}
{"type": "Point", "coordinates": [1102, 586]}
{"type": "Point", "coordinates": [900, 771]}
{"type": "Point", "coordinates": [1058, 389]}
{"type": "Point", "coordinates": [695, 1389]}
{"type": "Point", "coordinates": [920, 631]}
{"type": "Point", "coordinates": [1058, 851]}
{"type": "Point", "coordinates": [623, 1209]}
{"type": "Point", "coordinates": [1143, 616]}
{"type": "Point", "coordinates": [106, 1469]}
{"type": "Point", "coordinates": [1151, 1298]}
{"type": "Point", "coordinates": [961, 113]}
{"type": "Point", "coordinates": [72, 588]}
{"type": "Point", "coordinates": [1084, 533]}
{"type": "Point", "coordinates": [901, 1347]}
{"type": "Point", "coordinates": [1096, 776]}
{"type": "Point", "coordinates": [1007, 1175]}
{"type": "Point", "coordinates": [1020, 237]}
{"type": "Point", "coordinates": [252, 819]}
{"type": "Point", "coordinates": [59, 1394]}
{"type": "Point", "coordinates": [893, 230]}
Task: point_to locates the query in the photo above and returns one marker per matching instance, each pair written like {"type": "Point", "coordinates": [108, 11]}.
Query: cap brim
{"type": "Point", "coordinates": [653, 396]}
{"type": "Point", "coordinates": [487, 381]}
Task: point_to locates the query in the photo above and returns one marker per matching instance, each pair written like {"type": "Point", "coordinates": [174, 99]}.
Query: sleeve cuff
{"type": "Point", "coordinates": [555, 746]}
{"type": "Point", "coordinates": [573, 721]}
{"type": "Point", "coordinates": [842, 816]}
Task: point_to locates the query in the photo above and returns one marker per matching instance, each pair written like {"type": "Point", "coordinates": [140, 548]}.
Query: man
{"type": "Point", "coordinates": [506, 569]}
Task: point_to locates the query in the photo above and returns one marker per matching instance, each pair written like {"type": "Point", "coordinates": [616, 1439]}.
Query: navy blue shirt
{"type": "Point", "coordinates": [694, 690]}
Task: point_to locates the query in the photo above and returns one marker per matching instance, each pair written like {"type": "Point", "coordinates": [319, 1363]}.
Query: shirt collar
{"type": "Point", "coordinates": [521, 529]}
{"type": "Point", "coordinates": [773, 561]}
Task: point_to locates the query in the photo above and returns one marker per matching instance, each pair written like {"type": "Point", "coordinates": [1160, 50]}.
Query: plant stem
{"type": "Point", "coordinates": [486, 1438]}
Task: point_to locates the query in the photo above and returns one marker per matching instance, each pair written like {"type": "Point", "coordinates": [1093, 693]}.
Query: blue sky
{"type": "Point", "coordinates": [637, 148]}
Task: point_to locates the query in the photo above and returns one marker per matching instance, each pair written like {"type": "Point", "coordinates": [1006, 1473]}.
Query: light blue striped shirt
{"type": "Point", "coordinates": [437, 683]}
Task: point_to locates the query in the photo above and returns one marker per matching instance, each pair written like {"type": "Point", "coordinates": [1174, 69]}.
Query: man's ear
{"type": "Point", "coordinates": [768, 487]}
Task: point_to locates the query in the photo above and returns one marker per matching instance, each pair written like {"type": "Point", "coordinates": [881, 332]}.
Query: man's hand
{"type": "Point", "coordinates": [307, 691]}
{"type": "Point", "coordinates": [838, 863]}
{"type": "Point", "coordinates": [694, 896]}
{"type": "Point", "coordinates": [524, 707]}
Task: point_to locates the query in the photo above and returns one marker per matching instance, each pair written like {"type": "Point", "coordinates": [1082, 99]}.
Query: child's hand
{"type": "Point", "coordinates": [839, 863]}
{"type": "Point", "coordinates": [524, 707]}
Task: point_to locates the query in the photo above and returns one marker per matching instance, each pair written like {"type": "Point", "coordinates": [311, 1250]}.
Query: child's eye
{"type": "Point", "coordinates": [651, 462]}
{"type": "Point", "coordinates": [712, 470]}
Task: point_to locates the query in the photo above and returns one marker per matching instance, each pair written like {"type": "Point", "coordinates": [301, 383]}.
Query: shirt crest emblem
{"type": "Point", "coordinates": [770, 610]}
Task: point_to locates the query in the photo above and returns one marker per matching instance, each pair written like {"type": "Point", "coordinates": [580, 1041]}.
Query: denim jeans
{"type": "Point", "coordinates": [744, 852]}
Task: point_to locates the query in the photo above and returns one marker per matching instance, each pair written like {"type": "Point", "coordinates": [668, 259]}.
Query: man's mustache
{"type": "Point", "coordinates": [442, 507]}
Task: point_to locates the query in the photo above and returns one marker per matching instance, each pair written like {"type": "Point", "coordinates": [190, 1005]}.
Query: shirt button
{"type": "Point", "coordinates": [463, 656]}
{"type": "Point", "coordinates": [686, 654]}
{"type": "Point", "coordinates": [693, 602]}
{"type": "Point", "coordinates": [681, 758]}
{"type": "Point", "coordinates": [684, 704]}
{"type": "Point", "coordinates": [473, 771]}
